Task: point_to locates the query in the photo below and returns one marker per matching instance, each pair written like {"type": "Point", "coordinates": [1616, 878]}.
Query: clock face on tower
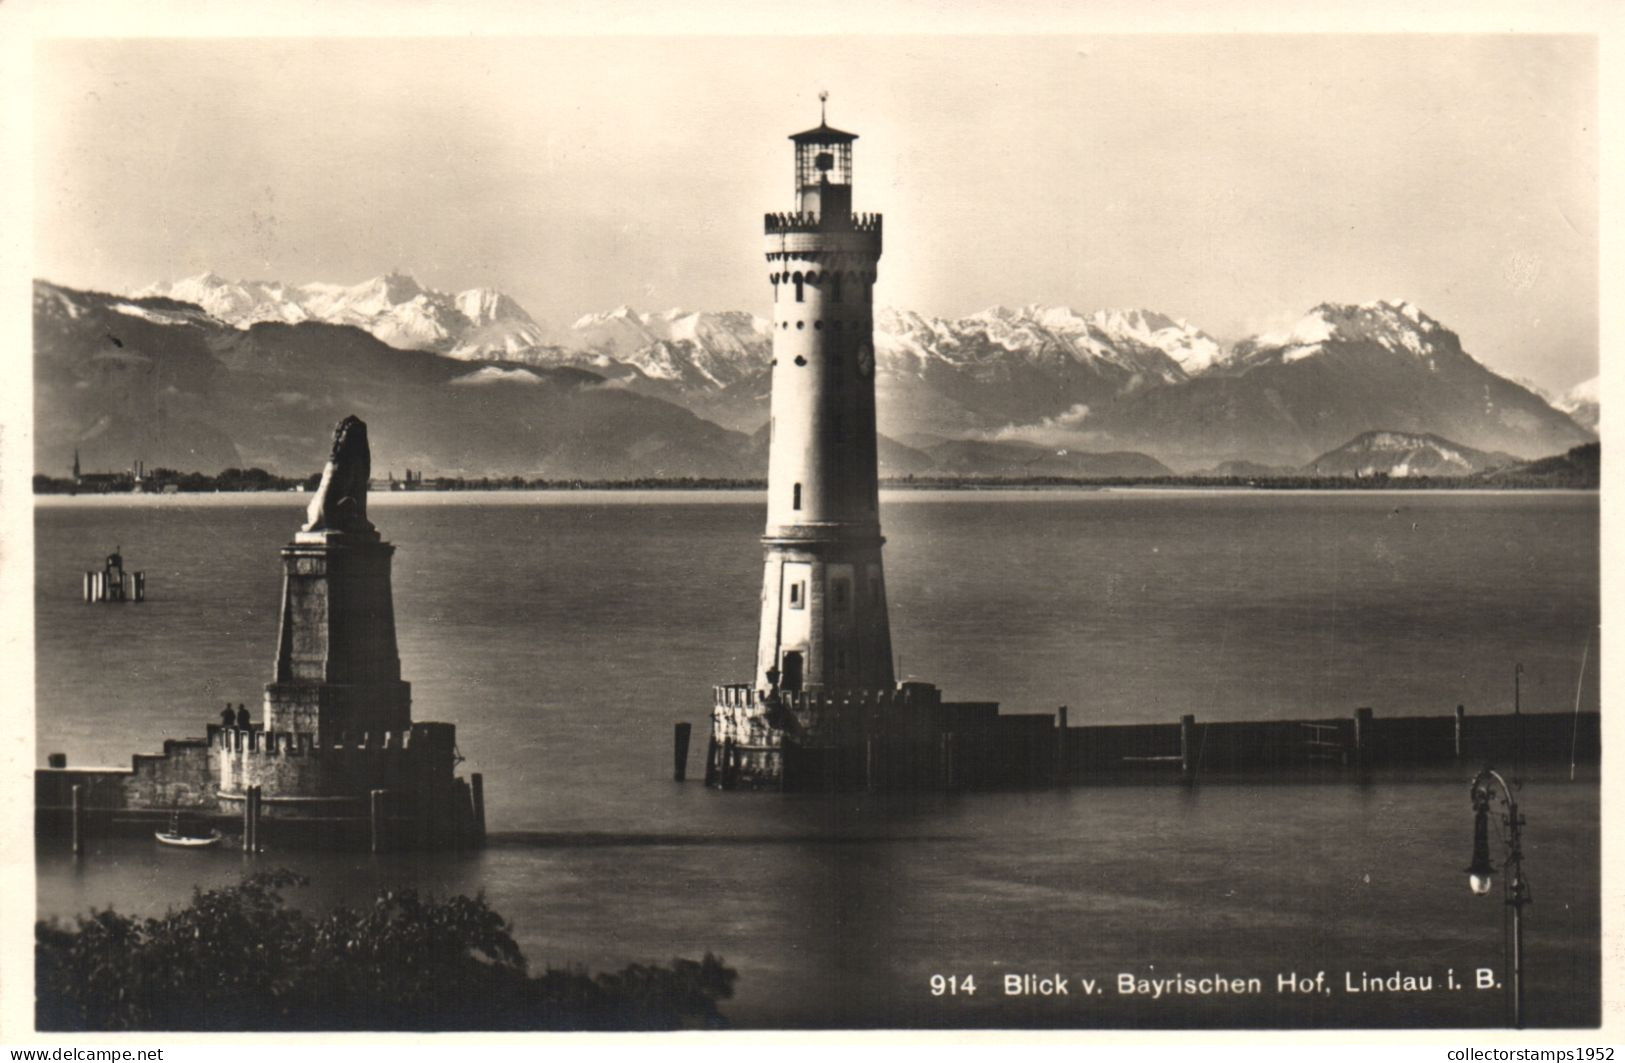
{"type": "Point", "coordinates": [866, 358]}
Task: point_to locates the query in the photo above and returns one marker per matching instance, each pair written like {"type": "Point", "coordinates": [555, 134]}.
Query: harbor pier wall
{"type": "Point", "coordinates": [909, 738]}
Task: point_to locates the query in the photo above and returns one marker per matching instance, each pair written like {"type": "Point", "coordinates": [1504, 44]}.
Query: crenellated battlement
{"type": "Point", "coordinates": [810, 237]}
{"type": "Point", "coordinates": [735, 696]}
{"type": "Point", "coordinates": [257, 740]}
{"type": "Point", "coordinates": [301, 773]}
{"type": "Point", "coordinates": [761, 718]}
{"type": "Point", "coordinates": [907, 695]}
{"type": "Point", "coordinates": [777, 222]}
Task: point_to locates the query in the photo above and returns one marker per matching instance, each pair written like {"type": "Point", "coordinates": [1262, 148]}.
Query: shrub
{"type": "Point", "coordinates": [238, 958]}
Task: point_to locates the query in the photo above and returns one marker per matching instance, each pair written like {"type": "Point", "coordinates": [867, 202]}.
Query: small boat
{"type": "Point", "coordinates": [187, 841]}
{"type": "Point", "coordinates": [173, 836]}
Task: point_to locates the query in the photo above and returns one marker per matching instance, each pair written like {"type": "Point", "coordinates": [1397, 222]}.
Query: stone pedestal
{"type": "Point", "coordinates": [338, 670]}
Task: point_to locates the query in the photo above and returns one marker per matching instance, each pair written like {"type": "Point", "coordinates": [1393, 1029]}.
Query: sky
{"type": "Point", "coordinates": [1234, 181]}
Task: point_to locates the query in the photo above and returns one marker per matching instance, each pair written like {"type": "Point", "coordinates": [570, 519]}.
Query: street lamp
{"type": "Point", "coordinates": [1481, 873]}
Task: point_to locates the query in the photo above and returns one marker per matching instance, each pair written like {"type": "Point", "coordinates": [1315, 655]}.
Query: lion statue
{"type": "Point", "coordinates": [341, 500]}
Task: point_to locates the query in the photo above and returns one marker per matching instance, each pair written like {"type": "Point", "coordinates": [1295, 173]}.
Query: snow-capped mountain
{"type": "Point", "coordinates": [692, 349]}
{"type": "Point", "coordinates": [1139, 347]}
{"type": "Point", "coordinates": [1393, 326]}
{"type": "Point", "coordinates": [121, 378]}
{"type": "Point", "coordinates": [486, 306]}
{"type": "Point", "coordinates": [1052, 376]}
{"type": "Point", "coordinates": [675, 353]}
{"type": "Point", "coordinates": [1194, 350]}
{"type": "Point", "coordinates": [997, 373]}
{"type": "Point", "coordinates": [477, 323]}
{"type": "Point", "coordinates": [1583, 402]}
{"type": "Point", "coordinates": [1103, 380]}
{"type": "Point", "coordinates": [238, 302]}
{"type": "Point", "coordinates": [1339, 371]}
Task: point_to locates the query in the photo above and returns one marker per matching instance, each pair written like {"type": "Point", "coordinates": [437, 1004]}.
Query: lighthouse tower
{"type": "Point", "coordinates": [824, 621]}
{"type": "Point", "coordinates": [824, 707]}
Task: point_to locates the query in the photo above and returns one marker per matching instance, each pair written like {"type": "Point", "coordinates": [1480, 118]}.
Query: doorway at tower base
{"type": "Point", "coordinates": [900, 738]}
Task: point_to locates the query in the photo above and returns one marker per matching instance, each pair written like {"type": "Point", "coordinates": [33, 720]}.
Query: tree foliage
{"type": "Point", "coordinates": [238, 958]}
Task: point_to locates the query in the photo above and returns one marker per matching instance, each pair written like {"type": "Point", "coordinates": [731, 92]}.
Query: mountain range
{"type": "Point", "coordinates": [1135, 384]}
{"type": "Point", "coordinates": [395, 308]}
{"type": "Point", "coordinates": [151, 378]}
{"type": "Point", "coordinates": [1405, 454]}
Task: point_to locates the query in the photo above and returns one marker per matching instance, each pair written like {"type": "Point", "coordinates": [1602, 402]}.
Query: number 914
{"type": "Point", "coordinates": [953, 985]}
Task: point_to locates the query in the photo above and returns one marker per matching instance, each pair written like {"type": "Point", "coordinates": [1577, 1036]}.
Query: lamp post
{"type": "Point", "coordinates": [1481, 873]}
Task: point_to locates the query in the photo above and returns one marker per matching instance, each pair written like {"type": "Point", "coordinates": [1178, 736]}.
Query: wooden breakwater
{"type": "Point", "coordinates": [975, 747]}
{"type": "Point", "coordinates": [1327, 748]}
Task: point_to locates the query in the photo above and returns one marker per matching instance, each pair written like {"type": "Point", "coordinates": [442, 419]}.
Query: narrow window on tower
{"type": "Point", "coordinates": [795, 497]}
{"type": "Point", "coordinates": [799, 292]}
{"type": "Point", "coordinates": [798, 599]}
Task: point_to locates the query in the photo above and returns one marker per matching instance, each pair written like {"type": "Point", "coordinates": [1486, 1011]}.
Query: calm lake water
{"type": "Point", "coordinates": [565, 633]}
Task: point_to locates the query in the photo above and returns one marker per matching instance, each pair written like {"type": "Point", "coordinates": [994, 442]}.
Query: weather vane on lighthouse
{"type": "Point", "coordinates": [823, 99]}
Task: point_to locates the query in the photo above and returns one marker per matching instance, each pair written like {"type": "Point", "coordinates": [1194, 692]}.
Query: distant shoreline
{"type": "Point", "coordinates": [1179, 483]}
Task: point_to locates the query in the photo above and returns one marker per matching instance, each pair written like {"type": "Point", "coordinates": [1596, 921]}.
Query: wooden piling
{"type": "Point", "coordinates": [477, 782]}
{"type": "Point", "coordinates": [1062, 759]}
{"type": "Point", "coordinates": [1363, 734]}
{"type": "Point", "coordinates": [679, 766]}
{"type": "Point", "coordinates": [1461, 725]}
{"type": "Point", "coordinates": [375, 819]}
{"type": "Point", "coordinates": [711, 761]}
{"type": "Point", "coordinates": [78, 835]}
{"type": "Point", "coordinates": [1187, 725]}
{"type": "Point", "coordinates": [254, 799]}
{"type": "Point", "coordinates": [248, 820]}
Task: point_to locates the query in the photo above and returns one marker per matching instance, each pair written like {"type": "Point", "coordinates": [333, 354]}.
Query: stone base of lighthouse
{"type": "Point", "coordinates": [897, 738]}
